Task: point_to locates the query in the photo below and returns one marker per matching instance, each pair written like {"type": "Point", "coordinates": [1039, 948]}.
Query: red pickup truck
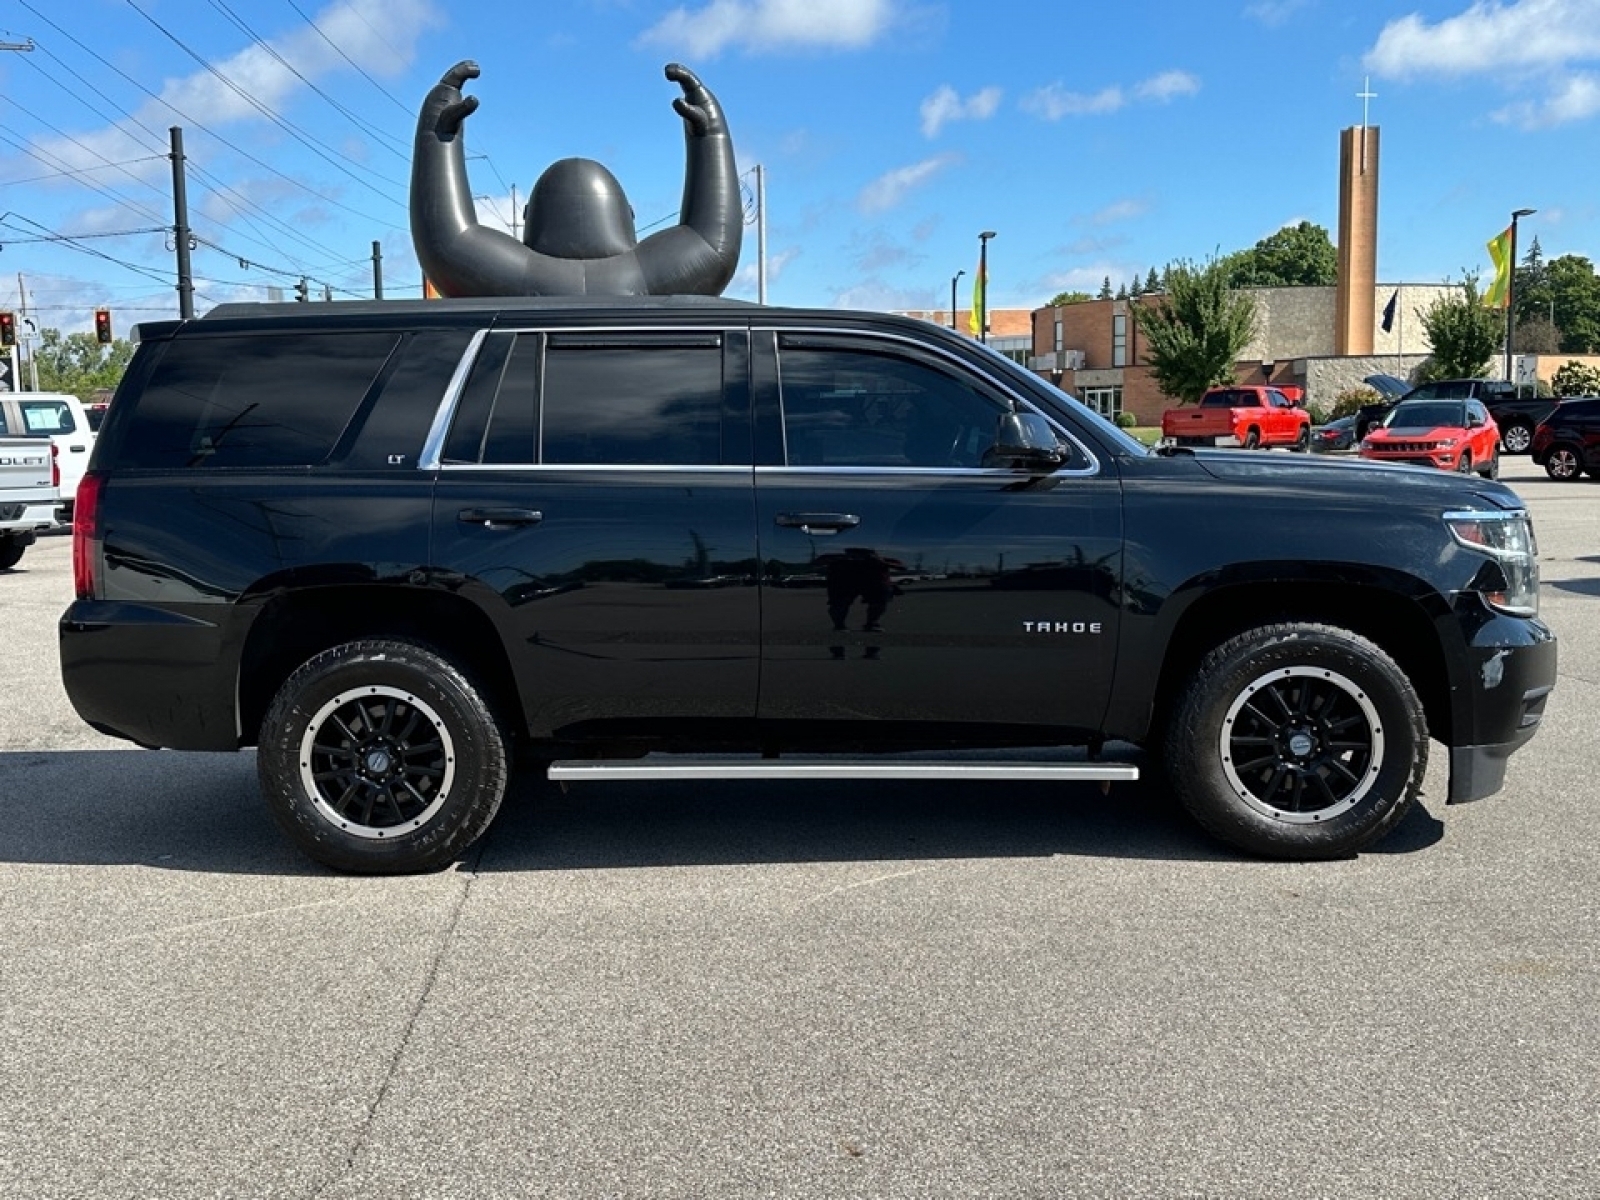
{"type": "Point", "coordinates": [1241, 416]}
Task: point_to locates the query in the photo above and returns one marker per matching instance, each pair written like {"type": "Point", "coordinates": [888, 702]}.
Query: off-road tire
{"type": "Point", "coordinates": [11, 552]}
{"type": "Point", "coordinates": [1297, 741]}
{"type": "Point", "coordinates": [382, 757]}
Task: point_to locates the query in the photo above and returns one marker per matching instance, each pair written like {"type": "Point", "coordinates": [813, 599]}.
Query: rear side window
{"type": "Point", "coordinates": [45, 418]}
{"type": "Point", "coordinates": [640, 399]}
{"type": "Point", "coordinates": [251, 400]}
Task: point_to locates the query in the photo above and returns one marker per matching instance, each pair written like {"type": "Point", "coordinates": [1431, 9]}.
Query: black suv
{"type": "Point", "coordinates": [1567, 442]}
{"type": "Point", "coordinates": [393, 543]}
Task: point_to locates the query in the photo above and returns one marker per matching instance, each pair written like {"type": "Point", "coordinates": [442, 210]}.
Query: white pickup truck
{"type": "Point", "coordinates": [61, 419]}
{"type": "Point", "coordinates": [29, 494]}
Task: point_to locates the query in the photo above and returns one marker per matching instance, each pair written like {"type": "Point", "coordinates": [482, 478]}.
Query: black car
{"type": "Point", "coordinates": [1567, 442]}
{"type": "Point", "coordinates": [394, 545]}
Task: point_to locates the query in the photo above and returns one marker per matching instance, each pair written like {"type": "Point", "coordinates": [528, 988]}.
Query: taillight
{"type": "Point", "coordinates": [86, 546]}
{"type": "Point", "coordinates": [55, 466]}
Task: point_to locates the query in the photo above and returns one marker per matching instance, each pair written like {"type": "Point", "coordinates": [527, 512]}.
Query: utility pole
{"type": "Point", "coordinates": [377, 271]}
{"type": "Point", "coordinates": [761, 234]}
{"type": "Point", "coordinates": [25, 335]}
{"type": "Point", "coordinates": [180, 226]}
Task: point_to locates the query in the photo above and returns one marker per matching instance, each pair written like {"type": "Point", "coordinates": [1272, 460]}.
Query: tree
{"type": "Point", "coordinates": [1152, 281]}
{"type": "Point", "coordinates": [1300, 255]}
{"type": "Point", "coordinates": [1576, 379]}
{"type": "Point", "coordinates": [1105, 289]}
{"type": "Point", "coordinates": [1536, 335]}
{"type": "Point", "coordinates": [78, 363]}
{"type": "Point", "coordinates": [1196, 329]}
{"type": "Point", "coordinates": [1534, 297]}
{"type": "Point", "coordinates": [1465, 335]}
{"type": "Point", "coordinates": [1576, 292]}
{"type": "Point", "coordinates": [1061, 298]}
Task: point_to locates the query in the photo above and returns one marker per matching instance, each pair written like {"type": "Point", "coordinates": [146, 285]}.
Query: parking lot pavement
{"type": "Point", "coordinates": [728, 991]}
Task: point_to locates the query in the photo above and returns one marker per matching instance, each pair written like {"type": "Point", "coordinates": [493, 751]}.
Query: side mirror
{"type": "Point", "coordinates": [1474, 421]}
{"type": "Point", "coordinates": [1024, 439]}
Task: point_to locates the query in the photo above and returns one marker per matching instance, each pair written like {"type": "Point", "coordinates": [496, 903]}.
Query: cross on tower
{"type": "Point", "coordinates": [1364, 95]}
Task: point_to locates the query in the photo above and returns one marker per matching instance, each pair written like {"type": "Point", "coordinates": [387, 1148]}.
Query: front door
{"type": "Point", "coordinates": [902, 578]}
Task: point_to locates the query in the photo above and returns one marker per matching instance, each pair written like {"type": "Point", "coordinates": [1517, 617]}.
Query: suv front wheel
{"type": "Point", "coordinates": [382, 757]}
{"type": "Point", "coordinates": [1298, 741]}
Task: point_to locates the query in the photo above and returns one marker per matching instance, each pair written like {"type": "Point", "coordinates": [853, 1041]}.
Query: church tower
{"type": "Point", "coordinates": [1358, 240]}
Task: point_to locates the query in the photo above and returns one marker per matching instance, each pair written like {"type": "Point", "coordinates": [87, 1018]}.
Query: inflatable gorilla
{"type": "Point", "coordinates": [578, 238]}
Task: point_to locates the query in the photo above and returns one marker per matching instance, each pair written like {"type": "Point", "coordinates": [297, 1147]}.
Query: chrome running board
{"type": "Point", "coordinates": [581, 769]}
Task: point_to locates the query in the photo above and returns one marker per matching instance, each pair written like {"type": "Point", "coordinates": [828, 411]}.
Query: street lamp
{"type": "Point", "coordinates": [983, 278]}
{"type": "Point", "coordinates": [1511, 285]}
{"type": "Point", "coordinates": [953, 279]}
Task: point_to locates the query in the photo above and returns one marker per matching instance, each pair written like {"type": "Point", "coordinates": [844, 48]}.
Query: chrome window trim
{"type": "Point", "coordinates": [614, 468]}
{"type": "Point", "coordinates": [433, 444]}
{"type": "Point", "coordinates": [940, 352]}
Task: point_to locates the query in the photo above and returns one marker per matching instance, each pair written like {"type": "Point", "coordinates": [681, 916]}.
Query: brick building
{"type": "Point", "coordinates": [1093, 349]}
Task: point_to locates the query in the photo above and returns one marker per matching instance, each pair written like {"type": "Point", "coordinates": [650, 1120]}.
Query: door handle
{"type": "Point", "coordinates": [824, 524]}
{"type": "Point", "coordinates": [77, 449]}
{"type": "Point", "coordinates": [499, 518]}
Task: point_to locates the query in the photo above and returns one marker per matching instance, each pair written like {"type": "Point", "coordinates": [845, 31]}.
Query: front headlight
{"type": "Point", "coordinates": [1507, 539]}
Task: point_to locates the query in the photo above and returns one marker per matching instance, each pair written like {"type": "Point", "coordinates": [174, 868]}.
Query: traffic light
{"type": "Point", "coordinates": [102, 326]}
{"type": "Point", "coordinates": [8, 329]}
{"type": "Point", "coordinates": [300, 292]}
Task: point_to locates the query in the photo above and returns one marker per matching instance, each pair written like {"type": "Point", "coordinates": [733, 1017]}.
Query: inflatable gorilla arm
{"type": "Point", "coordinates": [579, 237]}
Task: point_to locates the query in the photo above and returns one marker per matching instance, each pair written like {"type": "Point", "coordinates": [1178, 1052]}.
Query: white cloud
{"type": "Point", "coordinates": [1053, 101]}
{"type": "Point", "coordinates": [1489, 37]}
{"type": "Point", "coordinates": [888, 190]}
{"type": "Point", "coordinates": [1120, 210]}
{"type": "Point", "coordinates": [1274, 12]}
{"type": "Point", "coordinates": [873, 295]}
{"type": "Point", "coordinates": [772, 25]}
{"type": "Point", "coordinates": [381, 35]}
{"type": "Point", "coordinates": [946, 105]}
{"type": "Point", "coordinates": [747, 279]}
{"type": "Point", "coordinates": [1165, 86]}
{"type": "Point", "coordinates": [1574, 99]}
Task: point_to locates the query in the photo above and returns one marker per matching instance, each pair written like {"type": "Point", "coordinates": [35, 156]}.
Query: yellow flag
{"type": "Point", "coordinates": [980, 305]}
{"type": "Point", "coordinates": [1500, 254]}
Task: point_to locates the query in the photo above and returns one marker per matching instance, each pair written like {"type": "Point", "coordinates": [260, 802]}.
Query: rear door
{"type": "Point", "coordinates": [595, 498]}
{"type": "Point", "coordinates": [902, 578]}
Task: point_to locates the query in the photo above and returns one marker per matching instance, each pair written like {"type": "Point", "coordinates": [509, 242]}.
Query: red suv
{"type": "Point", "coordinates": [1567, 442]}
{"type": "Point", "coordinates": [1453, 435]}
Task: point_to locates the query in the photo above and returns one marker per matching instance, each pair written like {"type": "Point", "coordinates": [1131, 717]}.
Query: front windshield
{"type": "Point", "coordinates": [1427, 414]}
{"type": "Point", "coordinates": [1122, 441]}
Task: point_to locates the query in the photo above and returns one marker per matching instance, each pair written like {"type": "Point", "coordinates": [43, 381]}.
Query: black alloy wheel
{"type": "Point", "coordinates": [1298, 741]}
{"type": "Point", "coordinates": [1563, 463]}
{"type": "Point", "coordinates": [382, 757]}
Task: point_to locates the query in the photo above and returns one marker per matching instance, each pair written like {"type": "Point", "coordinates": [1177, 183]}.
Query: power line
{"type": "Point", "coordinates": [201, 125]}
{"type": "Point", "coordinates": [340, 51]}
{"type": "Point", "coordinates": [327, 154]}
{"type": "Point", "coordinates": [359, 122]}
{"type": "Point", "coordinates": [239, 204]}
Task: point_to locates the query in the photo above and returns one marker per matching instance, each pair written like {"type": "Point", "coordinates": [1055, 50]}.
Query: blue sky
{"type": "Point", "coordinates": [1096, 140]}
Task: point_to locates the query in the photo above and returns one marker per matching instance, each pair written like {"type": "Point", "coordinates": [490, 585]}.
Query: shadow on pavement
{"type": "Point", "coordinates": [203, 812]}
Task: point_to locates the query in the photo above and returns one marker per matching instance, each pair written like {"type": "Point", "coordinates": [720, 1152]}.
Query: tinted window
{"type": "Point", "coordinates": [43, 418]}
{"type": "Point", "coordinates": [865, 408]}
{"type": "Point", "coordinates": [251, 400]}
{"type": "Point", "coordinates": [639, 402]}
{"type": "Point", "coordinates": [1415, 414]}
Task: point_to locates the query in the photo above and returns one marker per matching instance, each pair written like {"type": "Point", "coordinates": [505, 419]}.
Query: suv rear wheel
{"type": "Point", "coordinates": [1563, 462]}
{"type": "Point", "coordinates": [382, 757]}
{"type": "Point", "coordinates": [1298, 741]}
